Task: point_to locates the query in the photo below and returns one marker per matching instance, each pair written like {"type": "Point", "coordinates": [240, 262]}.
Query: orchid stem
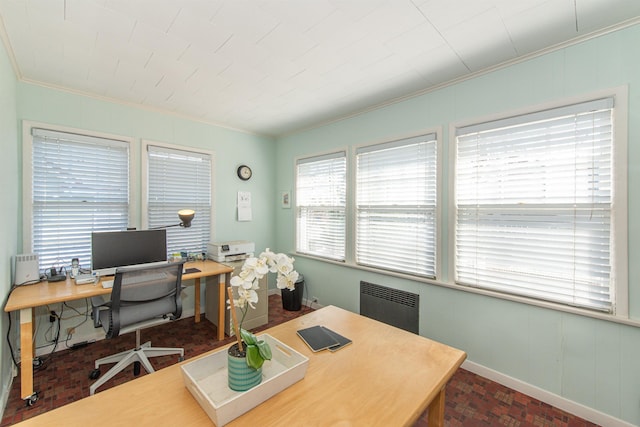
{"type": "Point", "coordinates": [234, 318]}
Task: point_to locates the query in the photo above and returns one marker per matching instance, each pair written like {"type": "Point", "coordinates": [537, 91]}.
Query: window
{"type": "Point", "coordinates": [179, 179]}
{"type": "Point", "coordinates": [321, 184]}
{"type": "Point", "coordinates": [535, 205]}
{"type": "Point", "coordinates": [79, 184]}
{"type": "Point", "coordinates": [396, 205]}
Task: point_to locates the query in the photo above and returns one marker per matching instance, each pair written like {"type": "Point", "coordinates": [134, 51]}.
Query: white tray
{"type": "Point", "coordinates": [206, 379]}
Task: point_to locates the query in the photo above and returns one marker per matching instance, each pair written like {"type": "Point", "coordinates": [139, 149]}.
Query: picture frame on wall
{"type": "Point", "coordinates": [286, 200]}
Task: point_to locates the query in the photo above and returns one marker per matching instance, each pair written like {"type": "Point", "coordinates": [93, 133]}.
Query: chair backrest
{"type": "Point", "coordinates": [144, 293]}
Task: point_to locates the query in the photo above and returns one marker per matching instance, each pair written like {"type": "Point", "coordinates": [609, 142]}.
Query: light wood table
{"type": "Point", "coordinates": [386, 377]}
{"type": "Point", "coordinates": [26, 298]}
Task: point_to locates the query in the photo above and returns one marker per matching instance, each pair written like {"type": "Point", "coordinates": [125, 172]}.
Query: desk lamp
{"type": "Point", "coordinates": [185, 215]}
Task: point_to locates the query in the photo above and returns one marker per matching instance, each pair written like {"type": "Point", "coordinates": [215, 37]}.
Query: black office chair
{"type": "Point", "coordinates": [141, 297]}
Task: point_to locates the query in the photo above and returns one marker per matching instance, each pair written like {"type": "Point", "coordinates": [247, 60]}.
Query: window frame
{"type": "Point", "coordinates": [144, 198]}
{"type": "Point", "coordinates": [27, 175]}
{"type": "Point", "coordinates": [339, 153]}
{"type": "Point", "coordinates": [434, 135]}
{"type": "Point", "coordinates": [619, 205]}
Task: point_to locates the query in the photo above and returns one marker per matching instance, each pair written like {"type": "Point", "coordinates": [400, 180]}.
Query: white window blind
{"type": "Point", "coordinates": [534, 205]}
{"type": "Point", "coordinates": [80, 184]}
{"type": "Point", "coordinates": [179, 179]}
{"type": "Point", "coordinates": [321, 184]}
{"type": "Point", "coordinates": [396, 205]}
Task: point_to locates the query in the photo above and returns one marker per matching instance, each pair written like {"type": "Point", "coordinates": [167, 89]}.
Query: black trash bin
{"type": "Point", "coordinates": [292, 300]}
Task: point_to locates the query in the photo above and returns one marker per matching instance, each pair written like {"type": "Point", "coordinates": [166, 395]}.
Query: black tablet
{"type": "Point", "coordinates": [342, 341]}
{"type": "Point", "coordinates": [317, 338]}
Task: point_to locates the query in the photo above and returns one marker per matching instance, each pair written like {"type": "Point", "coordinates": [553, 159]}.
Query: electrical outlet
{"type": "Point", "coordinates": [314, 300]}
{"type": "Point", "coordinates": [71, 331]}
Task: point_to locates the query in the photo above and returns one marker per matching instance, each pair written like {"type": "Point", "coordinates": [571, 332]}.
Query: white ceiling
{"type": "Point", "coordinates": [276, 66]}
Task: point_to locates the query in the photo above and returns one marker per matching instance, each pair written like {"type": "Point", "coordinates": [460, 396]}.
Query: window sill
{"type": "Point", "coordinates": [513, 298]}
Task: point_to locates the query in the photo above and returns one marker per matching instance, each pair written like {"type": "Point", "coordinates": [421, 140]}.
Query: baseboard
{"type": "Point", "coordinates": [312, 304]}
{"type": "Point", "coordinates": [552, 399]}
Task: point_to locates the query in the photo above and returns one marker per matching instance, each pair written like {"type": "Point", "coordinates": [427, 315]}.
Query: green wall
{"type": "Point", "coordinates": [592, 362]}
{"type": "Point", "coordinates": [8, 201]}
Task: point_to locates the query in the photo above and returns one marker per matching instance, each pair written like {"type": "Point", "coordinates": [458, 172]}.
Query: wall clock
{"type": "Point", "coordinates": [244, 172]}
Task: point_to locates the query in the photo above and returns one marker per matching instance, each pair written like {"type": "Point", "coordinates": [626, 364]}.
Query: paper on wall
{"type": "Point", "coordinates": [244, 206]}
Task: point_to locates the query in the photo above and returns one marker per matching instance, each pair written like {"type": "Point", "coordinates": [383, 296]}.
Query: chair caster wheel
{"type": "Point", "coordinates": [95, 374]}
{"type": "Point", "coordinates": [136, 368]}
{"type": "Point", "coordinates": [31, 400]}
{"type": "Point", "coordinates": [180, 359]}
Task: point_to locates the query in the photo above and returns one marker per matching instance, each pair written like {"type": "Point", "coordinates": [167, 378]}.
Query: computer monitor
{"type": "Point", "coordinates": [113, 249]}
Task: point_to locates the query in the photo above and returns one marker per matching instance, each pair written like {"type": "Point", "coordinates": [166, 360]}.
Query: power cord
{"type": "Point", "coordinates": [39, 362]}
{"type": "Point", "coordinates": [13, 356]}
{"type": "Point", "coordinates": [71, 330]}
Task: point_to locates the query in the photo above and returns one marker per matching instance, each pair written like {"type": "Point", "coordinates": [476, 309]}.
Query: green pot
{"type": "Point", "coordinates": [241, 376]}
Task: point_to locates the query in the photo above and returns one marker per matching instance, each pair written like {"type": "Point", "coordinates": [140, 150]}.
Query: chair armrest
{"type": "Point", "coordinates": [98, 303]}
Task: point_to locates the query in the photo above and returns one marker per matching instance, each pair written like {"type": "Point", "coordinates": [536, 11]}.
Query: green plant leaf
{"type": "Point", "coordinates": [254, 359]}
{"type": "Point", "coordinates": [264, 349]}
{"type": "Point", "coordinates": [248, 337]}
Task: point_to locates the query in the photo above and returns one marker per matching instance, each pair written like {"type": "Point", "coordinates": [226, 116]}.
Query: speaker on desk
{"type": "Point", "coordinates": [27, 269]}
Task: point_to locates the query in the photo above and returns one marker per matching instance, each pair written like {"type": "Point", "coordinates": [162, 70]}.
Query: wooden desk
{"type": "Point", "coordinates": [387, 377]}
{"type": "Point", "coordinates": [26, 298]}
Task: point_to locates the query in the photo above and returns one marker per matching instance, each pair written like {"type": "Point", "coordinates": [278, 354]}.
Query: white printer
{"type": "Point", "coordinates": [235, 250]}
